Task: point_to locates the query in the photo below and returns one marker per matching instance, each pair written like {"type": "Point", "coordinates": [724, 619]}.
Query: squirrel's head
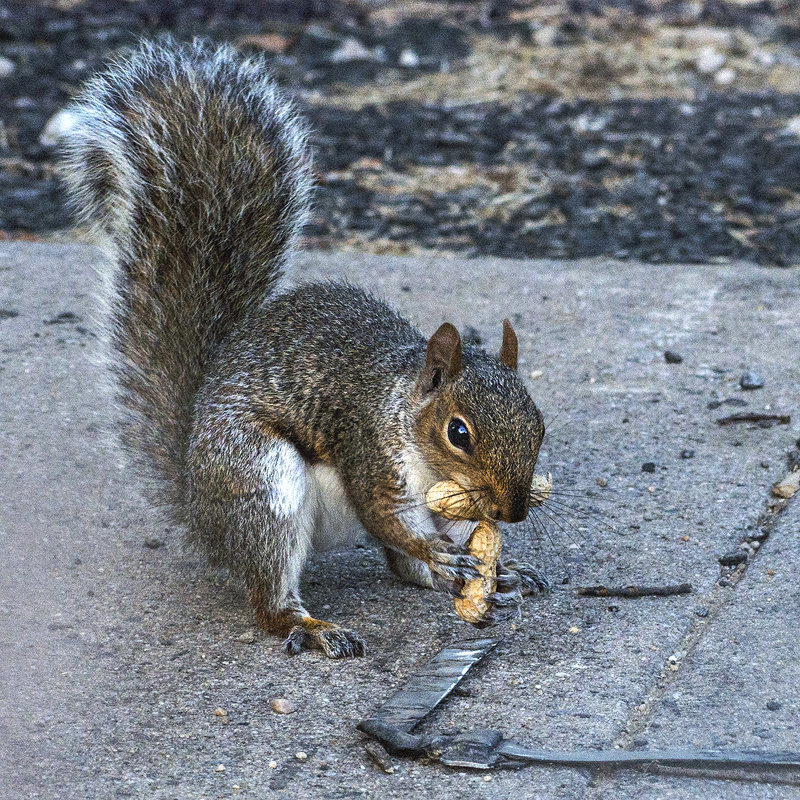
{"type": "Point", "coordinates": [477, 425]}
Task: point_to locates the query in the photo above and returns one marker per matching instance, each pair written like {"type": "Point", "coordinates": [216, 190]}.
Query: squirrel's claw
{"type": "Point", "coordinates": [501, 614]}
{"type": "Point", "coordinates": [333, 640]}
{"type": "Point", "coordinates": [505, 599]}
{"type": "Point", "coordinates": [506, 580]}
{"type": "Point", "coordinates": [513, 582]}
{"type": "Point", "coordinates": [451, 587]}
{"type": "Point", "coordinates": [455, 568]}
{"type": "Point", "coordinates": [531, 580]}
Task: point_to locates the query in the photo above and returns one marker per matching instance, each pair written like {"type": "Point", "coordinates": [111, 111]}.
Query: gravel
{"type": "Point", "coordinates": [751, 380]}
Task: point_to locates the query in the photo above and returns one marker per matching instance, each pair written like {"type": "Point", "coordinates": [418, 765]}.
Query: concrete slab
{"type": "Point", "coordinates": [115, 655]}
{"type": "Point", "coordinates": [738, 687]}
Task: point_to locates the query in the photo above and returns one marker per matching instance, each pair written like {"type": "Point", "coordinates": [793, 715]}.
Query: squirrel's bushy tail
{"type": "Point", "coordinates": [197, 172]}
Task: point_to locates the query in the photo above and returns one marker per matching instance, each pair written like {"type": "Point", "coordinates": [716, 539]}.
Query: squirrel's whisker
{"type": "Point", "coordinates": [424, 502]}
{"type": "Point", "coordinates": [580, 513]}
{"type": "Point", "coordinates": [546, 545]}
{"type": "Point", "coordinates": [562, 525]}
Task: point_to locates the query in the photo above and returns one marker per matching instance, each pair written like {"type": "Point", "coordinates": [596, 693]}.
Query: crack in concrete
{"type": "Point", "coordinates": [719, 596]}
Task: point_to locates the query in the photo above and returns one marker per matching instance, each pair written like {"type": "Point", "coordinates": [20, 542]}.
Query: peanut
{"type": "Point", "coordinates": [484, 544]}
{"type": "Point", "coordinates": [541, 488]}
{"type": "Point", "coordinates": [450, 500]}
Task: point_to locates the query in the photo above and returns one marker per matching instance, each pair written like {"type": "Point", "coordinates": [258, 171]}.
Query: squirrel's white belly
{"type": "Point", "coordinates": [336, 523]}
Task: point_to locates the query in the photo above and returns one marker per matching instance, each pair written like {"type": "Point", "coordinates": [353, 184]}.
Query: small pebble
{"type": "Point", "coordinates": [602, 482]}
{"type": "Point", "coordinates": [64, 318]}
{"type": "Point", "coordinates": [351, 50]}
{"type": "Point", "coordinates": [709, 61]}
{"type": "Point", "coordinates": [220, 712]}
{"type": "Point", "coordinates": [409, 59]}
{"type": "Point", "coordinates": [7, 67]}
{"type": "Point", "coordinates": [793, 126]}
{"type": "Point", "coordinates": [220, 768]}
{"type": "Point", "coordinates": [153, 542]}
{"type": "Point", "coordinates": [751, 380]}
{"type": "Point", "coordinates": [725, 77]}
{"type": "Point", "coordinates": [773, 705]}
{"type": "Point", "coordinates": [687, 453]}
{"type": "Point", "coordinates": [273, 764]}
{"type": "Point", "coordinates": [300, 755]}
{"type": "Point", "coordinates": [671, 357]}
{"type": "Point", "coordinates": [732, 559]}
{"type": "Point", "coordinates": [648, 466]}
{"type": "Point", "coordinates": [248, 637]}
{"type": "Point", "coordinates": [60, 124]}
{"type": "Point", "coordinates": [280, 705]}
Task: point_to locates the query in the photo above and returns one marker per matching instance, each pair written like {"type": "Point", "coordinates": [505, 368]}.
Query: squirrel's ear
{"type": "Point", "coordinates": [510, 348]}
{"type": "Point", "coordinates": [443, 358]}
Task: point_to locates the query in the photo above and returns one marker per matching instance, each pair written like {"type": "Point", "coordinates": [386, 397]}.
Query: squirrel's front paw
{"type": "Point", "coordinates": [514, 581]}
{"type": "Point", "coordinates": [506, 600]}
{"type": "Point", "coordinates": [525, 577]}
{"type": "Point", "coordinates": [452, 562]}
{"type": "Point", "coordinates": [332, 639]}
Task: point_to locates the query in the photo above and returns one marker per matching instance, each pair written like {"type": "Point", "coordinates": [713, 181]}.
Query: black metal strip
{"type": "Point", "coordinates": [425, 690]}
{"type": "Point", "coordinates": [691, 759]}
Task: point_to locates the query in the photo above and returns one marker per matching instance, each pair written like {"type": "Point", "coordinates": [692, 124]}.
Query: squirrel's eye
{"type": "Point", "coordinates": [458, 434]}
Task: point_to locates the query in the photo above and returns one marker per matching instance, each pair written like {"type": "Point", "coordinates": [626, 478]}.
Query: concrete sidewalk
{"type": "Point", "coordinates": [117, 647]}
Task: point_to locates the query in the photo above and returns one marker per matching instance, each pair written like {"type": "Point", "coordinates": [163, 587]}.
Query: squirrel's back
{"type": "Point", "coordinates": [196, 171]}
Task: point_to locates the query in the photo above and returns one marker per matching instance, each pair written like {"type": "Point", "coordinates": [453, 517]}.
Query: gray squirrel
{"type": "Point", "coordinates": [275, 421]}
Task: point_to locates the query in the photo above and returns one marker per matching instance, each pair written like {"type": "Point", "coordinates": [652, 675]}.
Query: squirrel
{"type": "Point", "coordinates": [278, 420]}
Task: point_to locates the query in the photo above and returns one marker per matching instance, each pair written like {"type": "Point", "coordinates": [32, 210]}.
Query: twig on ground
{"type": "Point", "coordinates": [634, 591]}
{"type": "Point", "coordinates": [754, 416]}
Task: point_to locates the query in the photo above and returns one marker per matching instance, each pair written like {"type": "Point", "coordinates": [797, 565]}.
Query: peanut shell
{"type": "Point", "coordinates": [450, 500]}
{"type": "Point", "coordinates": [541, 488]}
{"type": "Point", "coordinates": [485, 544]}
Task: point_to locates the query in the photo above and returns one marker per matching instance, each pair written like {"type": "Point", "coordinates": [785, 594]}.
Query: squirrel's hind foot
{"type": "Point", "coordinates": [303, 632]}
{"type": "Point", "coordinates": [332, 639]}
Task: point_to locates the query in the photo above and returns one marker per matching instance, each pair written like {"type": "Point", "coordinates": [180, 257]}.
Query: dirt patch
{"type": "Point", "coordinates": [664, 131]}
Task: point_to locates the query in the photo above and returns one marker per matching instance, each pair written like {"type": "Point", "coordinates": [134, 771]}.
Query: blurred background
{"type": "Point", "coordinates": [660, 130]}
